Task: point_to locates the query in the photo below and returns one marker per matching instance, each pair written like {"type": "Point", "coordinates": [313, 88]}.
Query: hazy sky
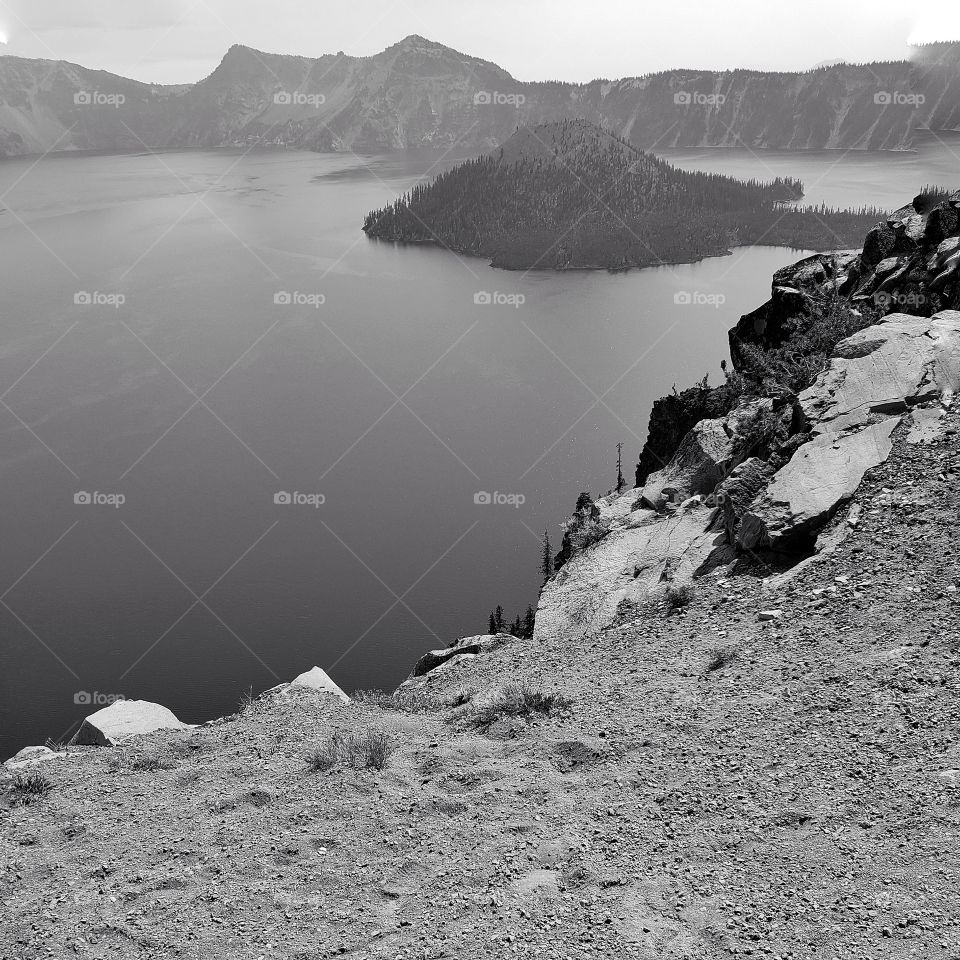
{"type": "Point", "coordinates": [178, 41]}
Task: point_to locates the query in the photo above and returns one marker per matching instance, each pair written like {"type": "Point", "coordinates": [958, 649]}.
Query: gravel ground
{"type": "Point", "coordinates": [719, 786]}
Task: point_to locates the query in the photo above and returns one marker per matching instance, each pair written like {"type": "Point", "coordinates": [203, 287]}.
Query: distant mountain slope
{"type": "Point", "coordinates": [418, 94]}
{"type": "Point", "coordinates": [570, 195]}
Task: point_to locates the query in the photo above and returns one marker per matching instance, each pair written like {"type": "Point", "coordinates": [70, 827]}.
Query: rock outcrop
{"type": "Point", "coordinates": [887, 368]}
{"type": "Point", "coordinates": [769, 473]}
{"type": "Point", "coordinates": [806, 493]}
{"type": "Point", "coordinates": [122, 720]}
{"type": "Point", "coordinates": [634, 564]}
{"type": "Point", "coordinates": [910, 263]}
{"type": "Point", "coordinates": [699, 464]}
{"type": "Point", "coordinates": [465, 646]}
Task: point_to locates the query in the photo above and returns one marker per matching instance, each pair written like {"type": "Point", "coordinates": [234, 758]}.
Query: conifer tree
{"type": "Point", "coordinates": [546, 558]}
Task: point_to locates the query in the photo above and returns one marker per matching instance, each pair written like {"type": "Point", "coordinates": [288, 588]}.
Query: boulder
{"type": "Point", "coordinates": [698, 465]}
{"type": "Point", "coordinates": [672, 418]}
{"type": "Point", "coordinates": [735, 495]}
{"type": "Point", "coordinates": [319, 680]}
{"type": "Point", "coordinates": [926, 425]}
{"type": "Point", "coordinates": [466, 645]}
{"type": "Point", "coordinates": [806, 493]}
{"type": "Point", "coordinates": [886, 368]}
{"type": "Point", "coordinates": [123, 719]}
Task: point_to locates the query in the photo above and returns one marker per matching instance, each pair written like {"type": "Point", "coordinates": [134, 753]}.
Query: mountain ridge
{"type": "Point", "coordinates": [418, 93]}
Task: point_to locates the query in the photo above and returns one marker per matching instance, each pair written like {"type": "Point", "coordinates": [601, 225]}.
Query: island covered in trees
{"type": "Point", "coordinates": [570, 195]}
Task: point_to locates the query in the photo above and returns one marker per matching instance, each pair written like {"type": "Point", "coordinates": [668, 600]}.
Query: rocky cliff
{"type": "Point", "coordinates": [420, 94]}
{"type": "Point", "coordinates": [851, 349]}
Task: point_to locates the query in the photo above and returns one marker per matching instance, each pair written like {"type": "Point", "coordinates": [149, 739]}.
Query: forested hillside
{"type": "Point", "coordinates": [570, 195]}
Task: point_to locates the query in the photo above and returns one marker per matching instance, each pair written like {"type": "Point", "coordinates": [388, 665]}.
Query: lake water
{"type": "Point", "coordinates": [194, 333]}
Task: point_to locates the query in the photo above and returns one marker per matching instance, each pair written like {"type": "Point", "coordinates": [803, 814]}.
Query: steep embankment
{"type": "Point", "coordinates": [418, 94]}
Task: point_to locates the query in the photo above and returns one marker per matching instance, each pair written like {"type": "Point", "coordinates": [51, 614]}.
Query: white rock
{"type": "Point", "coordinates": [822, 475]}
{"type": "Point", "coordinates": [318, 679]}
{"type": "Point", "coordinates": [770, 615]}
{"type": "Point", "coordinates": [885, 368]}
{"type": "Point", "coordinates": [926, 425]}
{"type": "Point", "coordinates": [585, 595]}
{"type": "Point", "coordinates": [123, 719]}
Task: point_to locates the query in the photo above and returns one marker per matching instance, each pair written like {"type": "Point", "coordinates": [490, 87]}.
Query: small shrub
{"type": "Point", "coordinates": [518, 700]}
{"type": "Point", "coordinates": [327, 755]}
{"type": "Point", "coordinates": [720, 658]}
{"type": "Point", "coordinates": [119, 762]}
{"type": "Point", "coordinates": [28, 788]}
{"type": "Point", "coordinates": [370, 750]}
{"type": "Point", "coordinates": [679, 596]}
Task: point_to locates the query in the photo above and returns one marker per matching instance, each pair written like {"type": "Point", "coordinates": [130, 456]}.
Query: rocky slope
{"type": "Point", "coordinates": [717, 751]}
{"type": "Point", "coordinates": [720, 786]}
{"type": "Point", "coordinates": [419, 94]}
